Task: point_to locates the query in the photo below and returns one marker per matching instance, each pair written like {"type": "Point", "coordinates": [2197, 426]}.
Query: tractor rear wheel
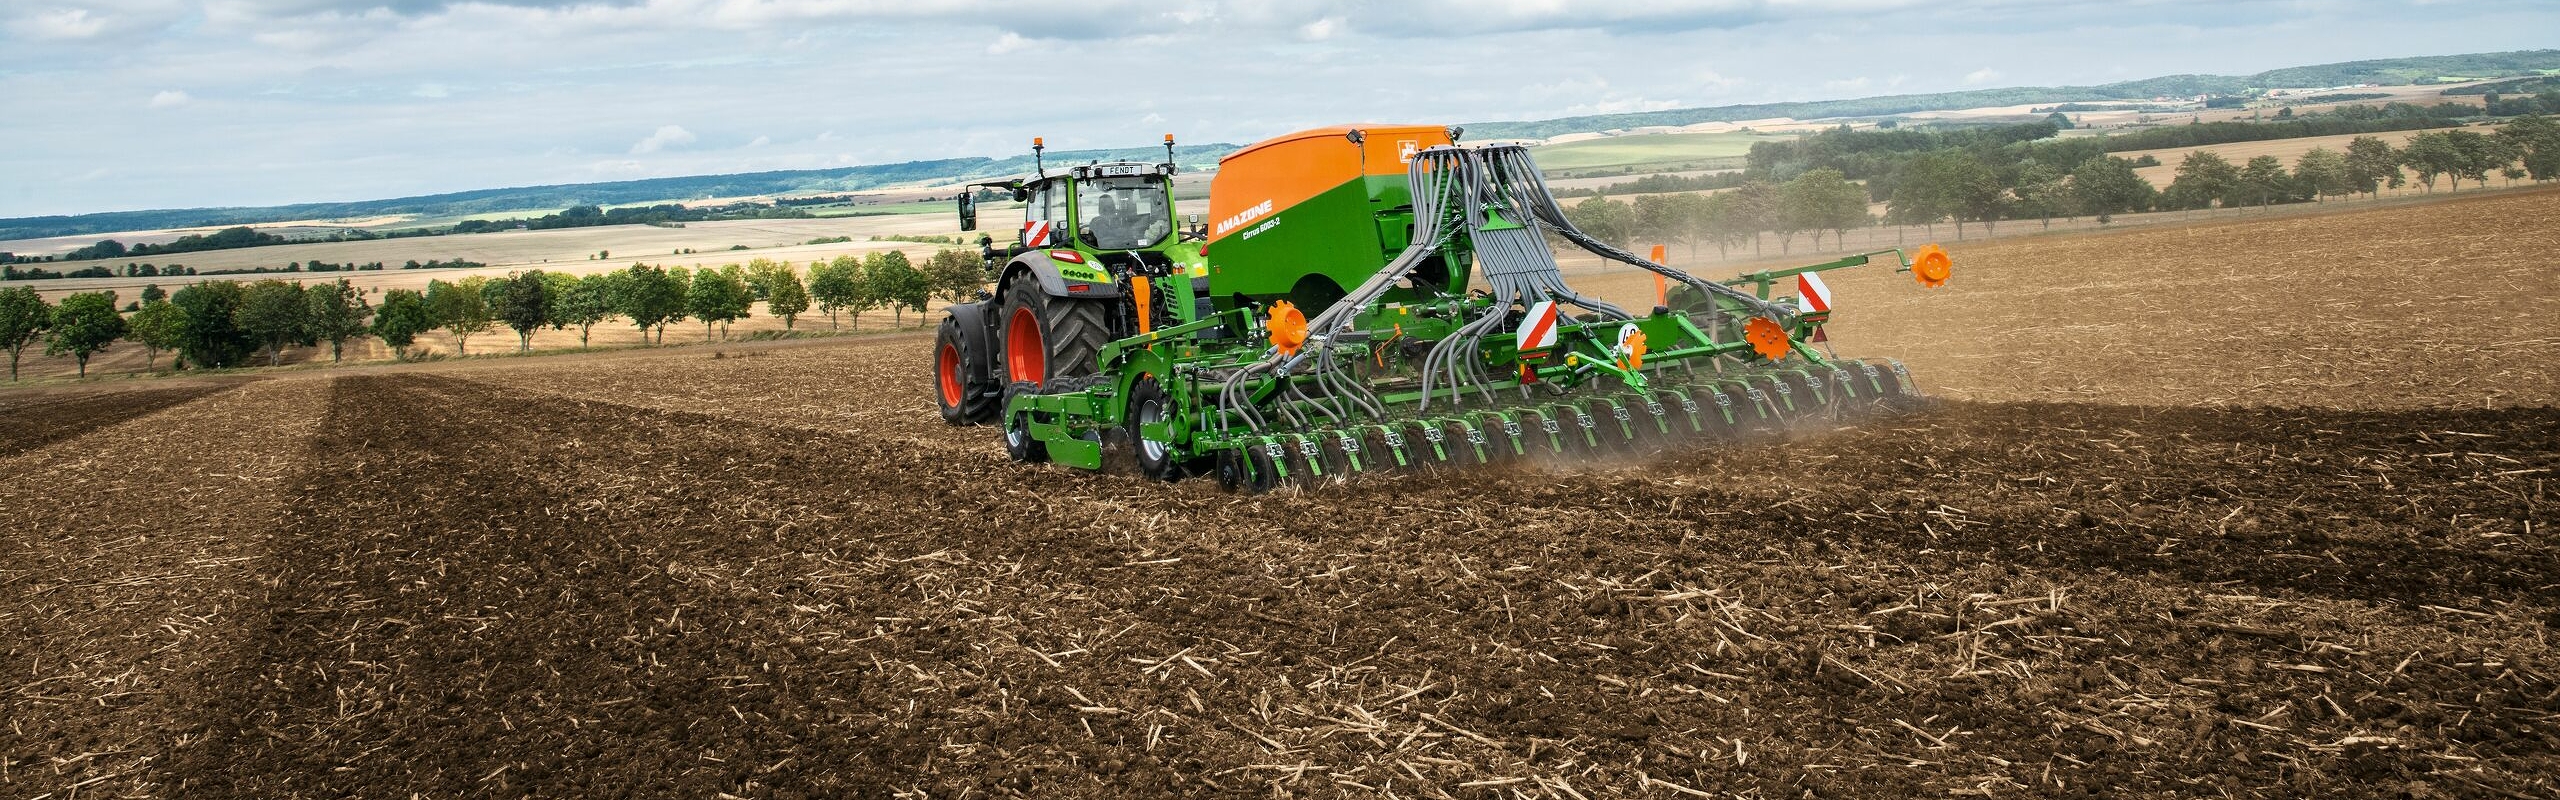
{"type": "Point", "coordinates": [966, 397]}
{"type": "Point", "coordinates": [1046, 338]}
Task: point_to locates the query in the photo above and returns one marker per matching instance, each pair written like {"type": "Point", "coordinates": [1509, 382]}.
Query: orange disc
{"type": "Point", "coordinates": [1635, 350]}
{"type": "Point", "coordinates": [1288, 328]}
{"type": "Point", "coordinates": [1931, 265]}
{"type": "Point", "coordinates": [1767, 339]}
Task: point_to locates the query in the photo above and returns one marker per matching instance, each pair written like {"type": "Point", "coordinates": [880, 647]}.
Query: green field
{"type": "Point", "coordinates": [1651, 152]}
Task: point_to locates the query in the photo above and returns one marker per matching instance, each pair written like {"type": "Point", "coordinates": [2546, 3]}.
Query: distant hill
{"type": "Point", "coordinates": [646, 190]}
{"type": "Point", "coordinates": [2423, 69]}
{"type": "Point", "coordinates": [2391, 71]}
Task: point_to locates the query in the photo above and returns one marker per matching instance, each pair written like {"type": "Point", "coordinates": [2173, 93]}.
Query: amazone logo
{"type": "Point", "coordinates": [1248, 215]}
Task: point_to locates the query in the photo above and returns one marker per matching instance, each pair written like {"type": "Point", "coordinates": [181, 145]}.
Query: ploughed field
{"type": "Point", "coordinates": [2259, 509]}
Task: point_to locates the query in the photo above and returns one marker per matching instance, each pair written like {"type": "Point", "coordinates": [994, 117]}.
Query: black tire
{"type": "Point", "coordinates": [1018, 442]}
{"type": "Point", "coordinates": [1380, 456]}
{"type": "Point", "coordinates": [1070, 331]}
{"type": "Point", "coordinates": [1266, 470]}
{"type": "Point", "coordinates": [977, 398]}
{"type": "Point", "coordinates": [1148, 403]}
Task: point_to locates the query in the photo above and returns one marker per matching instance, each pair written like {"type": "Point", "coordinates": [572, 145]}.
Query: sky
{"type": "Point", "coordinates": [110, 105]}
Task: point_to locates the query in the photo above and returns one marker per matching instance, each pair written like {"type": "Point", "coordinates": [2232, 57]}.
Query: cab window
{"type": "Point", "coordinates": [1122, 213]}
{"type": "Point", "coordinates": [1046, 205]}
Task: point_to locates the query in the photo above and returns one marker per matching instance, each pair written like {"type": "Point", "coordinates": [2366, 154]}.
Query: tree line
{"type": "Point", "coordinates": [1993, 178]}
{"type": "Point", "coordinates": [218, 324]}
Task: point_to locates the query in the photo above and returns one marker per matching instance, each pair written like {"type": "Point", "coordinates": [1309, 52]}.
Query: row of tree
{"type": "Point", "coordinates": [1979, 183]}
{"type": "Point", "coordinates": [227, 323]}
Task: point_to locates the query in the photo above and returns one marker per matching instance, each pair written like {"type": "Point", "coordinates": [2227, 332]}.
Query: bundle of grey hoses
{"type": "Point", "coordinates": [1453, 186]}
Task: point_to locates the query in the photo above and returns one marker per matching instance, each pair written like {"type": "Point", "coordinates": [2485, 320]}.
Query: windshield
{"type": "Point", "coordinates": [1125, 213]}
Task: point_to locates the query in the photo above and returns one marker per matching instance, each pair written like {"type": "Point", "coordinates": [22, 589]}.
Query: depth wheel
{"type": "Point", "coordinates": [1158, 459]}
{"type": "Point", "coordinates": [965, 397]}
{"type": "Point", "coordinates": [1018, 441]}
{"type": "Point", "coordinates": [1047, 338]}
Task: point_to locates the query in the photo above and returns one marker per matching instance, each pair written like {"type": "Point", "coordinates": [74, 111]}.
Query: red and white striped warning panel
{"type": "Point", "coordinates": [1538, 332]}
{"type": "Point", "coordinates": [1035, 233]}
{"type": "Point", "coordinates": [1817, 297]}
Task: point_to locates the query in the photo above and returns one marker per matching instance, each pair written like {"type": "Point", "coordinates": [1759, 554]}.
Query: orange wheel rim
{"type": "Point", "coordinates": [1767, 339]}
{"type": "Point", "coordinates": [1026, 356]}
{"type": "Point", "coordinates": [1931, 266]}
{"type": "Point", "coordinates": [947, 365]}
{"type": "Point", "coordinates": [1288, 328]}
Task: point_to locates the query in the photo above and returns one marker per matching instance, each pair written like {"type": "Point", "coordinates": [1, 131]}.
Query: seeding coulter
{"type": "Point", "coordinates": [1367, 298]}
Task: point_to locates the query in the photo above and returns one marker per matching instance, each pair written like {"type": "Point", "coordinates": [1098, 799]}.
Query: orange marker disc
{"type": "Point", "coordinates": [1931, 265]}
{"type": "Point", "coordinates": [1288, 328]}
{"type": "Point", "coordinates": [1767, 339]}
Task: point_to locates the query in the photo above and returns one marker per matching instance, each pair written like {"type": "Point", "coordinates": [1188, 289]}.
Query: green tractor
{"type": "Point", "coordinates": [1367, 298]}
{"type": "Point", "coordinates": [1096, 243]}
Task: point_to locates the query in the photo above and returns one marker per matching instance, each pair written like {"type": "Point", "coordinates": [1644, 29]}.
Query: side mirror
{"type": "Point", "coordinates": [1022, 194]}
{"type": "Point", "coordinates": [968, 211]}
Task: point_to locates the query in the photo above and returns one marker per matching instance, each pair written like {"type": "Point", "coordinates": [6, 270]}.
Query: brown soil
{"type": "Point", "coordinates": [772, 573]}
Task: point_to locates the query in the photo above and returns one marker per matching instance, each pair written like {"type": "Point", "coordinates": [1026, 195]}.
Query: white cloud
{"type": "Point", "coordinates": [1981, 76]}
{"type": "Point", "coordinates": [65, 23]}
{"type": "Point", "coordinates": [761, 141]}
{"type": "Point", "coordinates": [330, 87]}
{"type": "Point", "coordinates": [667, 136]}
{"type": "Point", "coordinates": [170, 98]}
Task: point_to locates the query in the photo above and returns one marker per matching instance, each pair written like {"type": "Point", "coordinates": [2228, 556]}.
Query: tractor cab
{"type": "Point", "coordinates": [1119, 214]}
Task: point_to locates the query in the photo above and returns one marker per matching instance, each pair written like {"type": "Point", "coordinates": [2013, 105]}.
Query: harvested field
{"type": "Point", "coordinates": [770, 572]}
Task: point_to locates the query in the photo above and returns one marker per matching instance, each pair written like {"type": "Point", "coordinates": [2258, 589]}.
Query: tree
{"type": "Point", "coordinates": [650, 297]}
{"type": "Point", "coordinates": [2107, 185]}
{"type": "Point", "coordinates": [897, 284]}
{"type": "Point", "coordinates": [461, 308]}
{"type": "Point", "coordinates": [404, 315]}
{"type": "Point", "coordinates": [2536, 141]}
{"type": "Point", "coordinates": [1979, 195]}
{"type": "Point", "coordinates": [837, 286]}
{"type": "Point", "coordinates": [158, 326]}
{"type": "Point", "coordinates": [338, 313]}
{"type": "Point", "coordinates": [1604, 219]}
{"type": "Point", "coordinates": [1920, 195]}
{"type": "Point", "coordinates": [1663, 217]}
{"type": "Point", "coordinates": [955, 275]}
{"type": "Point", "coordinates": [2475, 156]}
{"type": "Point", "coordinates": [2371, 162]}
{"type": "Point", "coordinates": [2204, 178]}
{"type": "Point", "coordinates": [759, 274]}
{"type": "Point", "coordinates": [213, 339]}
{"type": "Point", "coordinates": [582, 302]}
{"type": "Point", "coordinates": [274, 314]}
{"type": "Point", "coordinates": [2322, 173]}
{"type": "Point", "coordinates": [2429, 155]}
{"type": "Point", "coordinates": [2042, 191]}
{"type": "Point", "coordinates": [524, 304]}
{"type": "Point", "coordinates": [1822, 200]}
{"type": "Point", "coordinates": [716, 297]}
{"type": "Point", "coordinates": [2263, 181]}
{"type": "Point", "coordinates": [24, 316]}
{"type": "Point", "coordinates": [151, 292]}
{"type": "Point", "coordinates": [1754, 204]}
{"type": "Point", "coordinates": [84, 324]}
